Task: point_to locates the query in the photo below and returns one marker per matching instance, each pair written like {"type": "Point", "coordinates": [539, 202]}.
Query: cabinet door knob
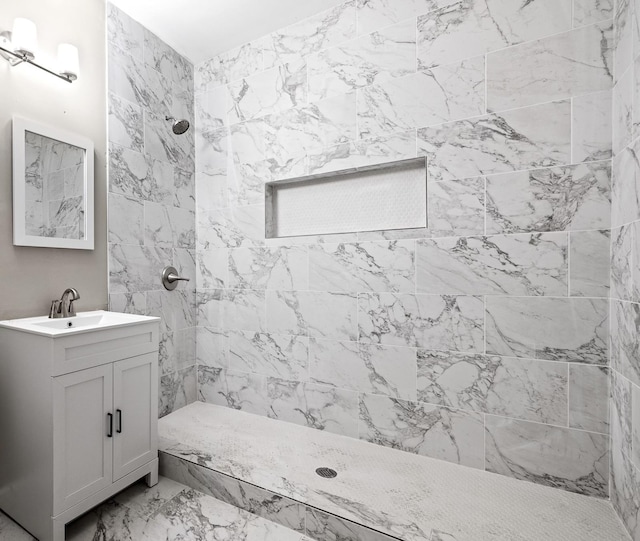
{"type": "Point", "coordinates": [110, 430]}
{"type": "Point", "coordinates": [119, 414]}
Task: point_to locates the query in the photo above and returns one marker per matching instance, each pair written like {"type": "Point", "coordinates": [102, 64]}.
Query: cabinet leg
{"type": "Point", "coordinates": [58, 530]}
{"type": "Point", "coordinates": [152, 477]}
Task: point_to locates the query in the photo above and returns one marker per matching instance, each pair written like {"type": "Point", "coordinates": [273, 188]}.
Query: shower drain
{"type": "Point", "coordinates": [327, 473]}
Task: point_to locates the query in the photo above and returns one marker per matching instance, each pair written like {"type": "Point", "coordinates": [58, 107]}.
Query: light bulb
{"type": "Point", "coordinates": [24, 37]}
{"type": "Point", "coordinates": [68, 63]}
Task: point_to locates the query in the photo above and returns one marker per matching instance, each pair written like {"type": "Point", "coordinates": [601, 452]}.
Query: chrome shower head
{"type": "Point", "coordinates": [179, 126]}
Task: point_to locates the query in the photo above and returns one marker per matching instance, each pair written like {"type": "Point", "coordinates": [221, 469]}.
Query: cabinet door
{"type": "Point", "coordinates": [135, 398]}
{"type": "Point", "coordinates": [82, 448]}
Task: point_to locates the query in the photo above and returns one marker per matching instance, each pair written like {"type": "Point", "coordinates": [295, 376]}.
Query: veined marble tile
{"type": "Point", "coordinates": [135, 268]}
{"type": "Point", "coordinates": [126, 220]}
{"type": "Point", "coordinates": [589, 263]}
{"type": "Point", "coordinates": [244, 309]}
{"type": "Point", "coordinates": [316, 406]}
{"type": "Point", "coordinates": [236, 390]}
{"type": "Point", "coordinates": [211, 347]}
{"type": "Point", "coordinates": [161, 57]}
{"type": "Point", "coordinates": [589, 398]}
{"type": "Point", "coordinates": [211, 191]}
{"type": "Point", "coordinates": [138, 176]}
{"type": "Point", "coordinates": [367, 266]}
{"type": "Point", "coordinates": [636, 84]}
{"type": "Point", "coordinates": [379, 150]}
{"type": "Point", "coordinates": [243, 495]}
{"type": "Point", "coordinates": [623, 241]}
{"type": "Point", "coordinates": [450, 435]}
{"type": "Point", "coordinates": [385, 370]}
{"type": "Point", "coordinates": [576, 62]}
{"type": "Point", "coordinates": [162, 144]}
{"type": "Point", "coordinates": [145, 501]}
{"type": "Point", "coordinates": [211, 110]}
{"type": "Point", "coordinates": [440, 322]}
{"type": "Point", "coordinates": [625, 495]}
{"type": "Point", "coordinates": [623, 113]}
{"type": "Point", "coordinates": [319, 314]}
{"type": "Point", "coordinates": [209, 74]}
{"type": "Point", "coordinates": [591, 11]}
{"type": "Point", "coordinates": [237, 63]}
{"type": "Point", "coordinates": [212, 268]}
{"type": "Point", "coordinates": [439, 95]}
{"type": "Point", "coordinates": [373, 58]}
{"type": "Point", "coordinates": [526, 138]}
{"type": "Point", "coordinates": [456, 207]}
{"type": "Point", "coordinates": [276, 355]}
{"type": "Point", "coordinates": [625, 191]}
{"type": "Point", "coordinates": [177, 390]}
{"type": "Point", "coordinates": [556, 329]}
{"type": "Point", "coordinates": [591, 127]}
{"type": "Point", "coordinates": [184, 183]}
{"type": "Point", "coordinates": [621, 414]}
{"type": "Point", "coordinates": [126, 126]}
{"type": "Point", "coordinates": [519, 388]}
{"type": "Point", "coordinates": [267, 92]}
{"type": "Point", "coordinates": [327, 29]}
{"type": "Point", "coordinates": [212, 149]}
{"type": "Point", "coordinates": [465, 29]}
{"type": "Point", "coordinates": [124, 32]}
{"type": "Point", "coordinates": [574, 460]}
{"type": "Point", "coordinates": [564, 198]}
{"type": "Point", "coordinates": [128, 303]}
{"type": "Point", "coordinates": [504, 264]}
{"type": "Point", "coordinates": [625, 350]}
{"type": "Point", "coordinates": [209, 306]}
{"type": "Point", "coordinates": [175, 308]}
{"type": "Point", "coordinates": [231, 227]}
{"type": "Point", "coordinates": [269, 268]}
{"type": "Point", "coordinates": [375, 14]}
{"type": "Point", "coordinates": [635, 425]}
{"type": "Point", "coordinates": [623, 36]}
{"type": "Point", "coordinates": [168, 226]}
{"type": "Point", "coordinates": [185, 263]}
{"type": "Point", "coordinates": [325, 526]}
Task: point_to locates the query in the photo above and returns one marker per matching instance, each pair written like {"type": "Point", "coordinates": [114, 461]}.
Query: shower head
{"type": "Point", "coordinates": [179, 126]}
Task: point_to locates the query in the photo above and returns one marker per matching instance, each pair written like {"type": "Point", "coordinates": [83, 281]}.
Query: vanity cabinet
{"type": "Point", "coordinates": [79, 423]}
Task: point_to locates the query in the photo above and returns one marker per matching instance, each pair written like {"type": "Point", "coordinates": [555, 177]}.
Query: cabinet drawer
{"type": "Point", "coordinates": [90, 349]}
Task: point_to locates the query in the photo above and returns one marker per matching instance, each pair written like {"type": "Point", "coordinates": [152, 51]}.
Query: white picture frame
{"type": "Point", "coordinates": [21, 237]}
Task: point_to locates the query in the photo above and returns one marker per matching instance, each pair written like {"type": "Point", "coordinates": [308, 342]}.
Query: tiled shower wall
{"type": "Point", "coordinates": [152, 195]}
{"type": "Point", "coordinates": [482, 340]}
{"type": "Point", "coordinates": [625, 274]}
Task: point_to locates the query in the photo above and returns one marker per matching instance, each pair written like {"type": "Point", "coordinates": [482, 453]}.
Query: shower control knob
{"type": "Point", "coordinates": [170, 278]}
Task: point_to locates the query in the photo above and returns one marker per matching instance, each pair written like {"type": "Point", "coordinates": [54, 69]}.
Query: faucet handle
{"type": "Point", "coordinates": [54, 311]}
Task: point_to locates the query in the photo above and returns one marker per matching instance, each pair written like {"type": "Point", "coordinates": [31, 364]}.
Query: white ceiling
{"type": "Point", "coordinates": [200, 29]}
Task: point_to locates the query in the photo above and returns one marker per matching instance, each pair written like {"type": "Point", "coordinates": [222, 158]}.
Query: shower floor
{"type": "Point", "coordinates": [268, 467]}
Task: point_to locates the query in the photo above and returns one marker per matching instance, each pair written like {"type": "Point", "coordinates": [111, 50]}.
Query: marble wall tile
{"type": "Point", "coordinates": [456, 208]}
{"type": "Point", "coordinates": [325, 527]}
{"type": "Point", "coordinates": [625, 190]}
{"type": "Point", "coordinates": [126, 126]}
{"type": "Point", "coordinates": [622, 258]}
{"type": "Point", "coordinates": [623, 125]}
{"type": "Point", "coordinates": [242, 61]}
{"type": "Point", "coordinates": [211, 191]}
{"type": "Point", "coordinates": [282, 268]}
{"type": "Point", "coordinates": [124, 32]}
{"type": "Point", "coordinates": [591, 127]}
{"type": "Point", "coordinates": [574, 460]}
{"type": "Point", "coordinates": [128, 303]}
{"type": "Point", "coordinates": [232, 227]}
{"type": "Point", "coordinates": [385, 370]}
{"type": "Point", "coordinates": [635, 425]}
{"type": "Point", "coordinates": [497, 265]}
{"type": "Point", "coordinates": [184, 182]}
{"type": "Point", "coordinates": [427, 98]}
{"type": "Point", "coordinates": [165, 60]}
{"type": "Point", "coordinates": [209, 306]}
{"type": "Point", "coordinates": [211, 347]}
{"type": "Point", "coordinates": [625, 350]}
{"type": "Point", "coordinates": [526, 138]}
{"type": "Point", "coordinates": [212, 268]}
{"type": "Point", "coordinates": [251, 498]}
{"type": "Point", "coordinates": [316, 406]}
{"type": "Point", "coordinates": [564, 65]}
{"type": "Point", "coordinates": [319, 314]}
{"type": "Point", "coordinates": [135, 268]}
{"type": "Point", "coordinates": [327, 29]}
{"type": "Point", "coordinates": [267, 92]}
{"type": "Point", "coordinates": [168, 226]}
{"type": "Point", "coordinates": [548, 328]}
{"type": "Point", "coordinates": [440, 322]}
{"type": "Point", "coordinates": [244, 309]}
{"type": "Point", "coordinates": [519, 388]}
{"type": "Point", "coordinates": [621, 414]}
{"type": "Point", "coordinates": [591, 11]}
{"type": "Point", "coordinates": [465, 29]}
{"type": "Point", "coordinates": [162, 144]}
{"type": "Point", "coordinates": [367, 266]}
{"type": "Point", "coordinates": [553, 199]}
{"type": "Point", "coordinates": [375, 14]}
{"type": "Point", "coordinates": [378, 150]}
{"type": "Point", "coordinates": [177, 389]}
{"type": "Point", "coordinates": [450, 435]}
{"type": "Point", "coordinates": [126, 220]}
{"type": "Point", "coordinates": [212, 151]}
{"type": "Point", "coordinates": [589, 398]}
{"type": "Point", "coordinates": [277, 355]}
{"type": "Point", "coordinates": [237, 390]}
{"type": "Point", "coordinates": [589, 263]}
{"type": "Point", "coordinates": [373, 58]}
{"type": "Point", "coordinates": [623, 36]}
{"type": "Point", "coordinates": [636, 85]}
{"type": "Point", "coordinates": [211, 108]}
{"type": "Point", "coordinates": [625, 494]}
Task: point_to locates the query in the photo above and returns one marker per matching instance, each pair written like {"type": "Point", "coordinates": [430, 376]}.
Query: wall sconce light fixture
{"type": "Point", "coordinates": [20, 46]}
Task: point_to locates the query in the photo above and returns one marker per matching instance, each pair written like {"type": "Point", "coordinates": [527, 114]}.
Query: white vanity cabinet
{"type": "Point", "coordinates": [80, 414]}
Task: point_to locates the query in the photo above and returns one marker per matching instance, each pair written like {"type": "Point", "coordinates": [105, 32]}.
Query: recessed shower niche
{"type": "Point", "coordinates": [371, 198]}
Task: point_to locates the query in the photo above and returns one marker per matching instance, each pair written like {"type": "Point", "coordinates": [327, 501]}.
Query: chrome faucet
{"type": "Point", "coordinates": [64, 307]}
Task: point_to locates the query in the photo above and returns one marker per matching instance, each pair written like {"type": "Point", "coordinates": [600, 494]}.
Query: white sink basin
{"type": "Point", "coordinates": [82, 322]}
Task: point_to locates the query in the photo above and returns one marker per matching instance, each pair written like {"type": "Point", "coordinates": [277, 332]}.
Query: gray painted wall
{"type": "Point", "coordinates": [31, 277]}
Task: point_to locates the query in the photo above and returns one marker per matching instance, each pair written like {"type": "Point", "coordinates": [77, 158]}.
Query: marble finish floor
{"type": "Point", "coordinates": [403, 495]}
{"type": "Point", "coordinates": [167, 512]}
